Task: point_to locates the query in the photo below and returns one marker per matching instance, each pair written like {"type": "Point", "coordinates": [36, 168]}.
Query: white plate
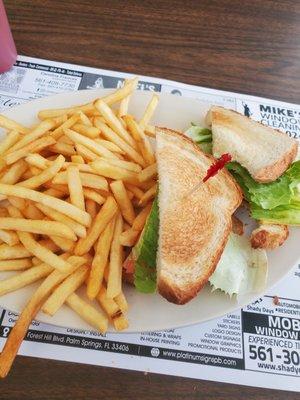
{"type": "Point", "coordinates": [150, 312]}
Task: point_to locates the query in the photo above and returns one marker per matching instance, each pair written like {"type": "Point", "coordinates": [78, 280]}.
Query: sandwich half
{"type": "Point", "coordinates": [265, 152]}
{"type": "Point", "coordinates": [193, 227]}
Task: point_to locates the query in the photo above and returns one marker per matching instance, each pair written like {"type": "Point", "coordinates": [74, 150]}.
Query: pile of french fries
{"type": "Point", "coordinates": [75, 192]}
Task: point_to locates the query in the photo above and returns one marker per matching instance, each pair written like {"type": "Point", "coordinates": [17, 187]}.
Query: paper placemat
{"type": "Point", "coordinates": [258, 345]}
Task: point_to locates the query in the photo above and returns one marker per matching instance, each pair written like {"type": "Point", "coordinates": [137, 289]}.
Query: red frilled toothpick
{"type": "Point", "coordinates": [217, 166]}
{"type": "Point", "coordinates": [212, 171]}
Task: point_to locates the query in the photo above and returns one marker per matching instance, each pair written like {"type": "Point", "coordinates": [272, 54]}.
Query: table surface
{"type": "Point", "coordinates": [250, 47]}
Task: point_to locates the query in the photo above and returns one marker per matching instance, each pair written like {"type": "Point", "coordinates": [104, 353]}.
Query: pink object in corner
{"type": "Point", "coordinates": [8, 52]}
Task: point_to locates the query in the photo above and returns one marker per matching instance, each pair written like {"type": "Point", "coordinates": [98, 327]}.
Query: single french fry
{"type": "Point", "coordinates": [59, 205]}
{"type": "Point", "coordinates": [106, 213]}
{"type": "Point", "coordinates": [17, 202]}
{"type": "Point", "coordinates": [84, 119]}
{"type": "Point", "coordinates": [37, 161]}
{"type": "Point", "coordinates": [147, 184]}
{"type": "Point", "coordinates": [13, 252]}
{"type": "Point", "coordinates": [66, 125]}
{"type": "Point", "coordinates": [110, 146]}
{"type": "Point", "coordinates": [45, 175]}
{"type": "Point", "coordinates": [40, 227]}
{"type": "Point", "coordinates": [124, 203]}
{"type": "Point", "coordinates": [109, 134]}
{"type": "Point", "coordinates": [89, 131]}
{"type": "Point", "coordinates": [32, 147]}
{"type": "Point", "coordinates": [14, 173]}
{"type": "Point", "coordinates": [138, 193]}
{"type": "Point", "coordinates": [19, 330]}
{"type": "Point", "coordinates": [65, 139]}
{"type": "Point", "coordinates": [120, 299]}
{"type": "Point", "coordinates": [93, 195]}
{"type": "Point", "coordinates": [11, 138]}
{"type": "Point", "coordinates": [87, 180]}
{"type": "Point", "coordinates": [129, 237]}
{"type": "Point", "coordinates": [141, 218]}
{"type": "Point", "coordinates": [123, 108]}
{"type": "Point", "coordinates": [77, 159]}
{"type": "Point", "coordinates": [55, 192]}
{"type": "Point", "coordinates": [113, 122]}
{"type": "Point", "coordinates": [114, 282]}
{"type": "Point", "coordinates": [9, 237]}
{"type": "Point", "coordinates": [108, 170]}
{"type": "Point", "coordinates": [50, 245]}
{"type": "Point", "coordinates": [62, 188]}
{"type": "Point", "coordinates": [121, 93]}
{"type": "Point", "coordinates": [87, 312]}
{"type": "Point", "coordinates": [11, 125]}
{"type": "Point", "coordinates": [100, 260]}
{"type": "Point", "coordinates": [60, 119]}
{"type": "Point", "coordinates": [86, 153]}
{"type": "Point", "coordinates": [142, 141]}
{"type": "Point", "coordinates": [150, 131]}
{"type": "Point", "coordinates": [75, 187]}
{"type": "Point", "coordinates": [32, 212]}
{"type": "Point", "coordinates": [15, 265]}
{"type": "Point", "coordinates": [24, 278]}
{"type": "Point", "coordinates": [90, 144]}
{"type": "Point", "coordinates": [150, 194]}
{"type": "Point", "coordinates": [64, 244]}
{"type": "Point", "coordinates": [129, 165]}
{"type": "Point", "coordinates": [38, 132]}
{"type": "Point", "coordinates": [149, 111]}
{"type": "Point", "coordinates": [77, 228]}
{"type": "Point", "coordinates": [56, 112]}
{"type": "Point", "coordinates": [63, 148]}
{"type": "Point", "coordinates": [64, 290]}
{"type": "Point", "coordinates": [109, 305]}
{"type": "Point", "coordinates": [120, 323]}
{"type": "Point", "coordinates": [91, 208]}
{"type": "Point", "coordinates": [148, 173]}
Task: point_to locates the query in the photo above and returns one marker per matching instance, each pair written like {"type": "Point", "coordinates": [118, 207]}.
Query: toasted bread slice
{"type": "Point", "coordinates": [265, 152]}
{"type": "Point", "coordinates": [194, 227]}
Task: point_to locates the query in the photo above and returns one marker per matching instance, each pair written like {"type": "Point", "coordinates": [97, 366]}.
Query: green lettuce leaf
{"type": "Point", "coordinates": [275, 202]}
{"type": "Point", "coordinates": [201, 136]}
{"type": "Point", "coordinates": [294, 171]}
{"type": "Point", "coordinates": [265, 195]}
{"type": "Point", "coordinates": [206, 147]}
{"type": "Point", "coordinates": [145, 254]}
{"type": "Point", "coordinates": [288, 215]}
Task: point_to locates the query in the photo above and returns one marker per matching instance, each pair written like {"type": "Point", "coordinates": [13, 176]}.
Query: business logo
{"type": "Point", "coordinates": [155, 352]}
{"type": "Point", "coordinates": [247, 111]}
